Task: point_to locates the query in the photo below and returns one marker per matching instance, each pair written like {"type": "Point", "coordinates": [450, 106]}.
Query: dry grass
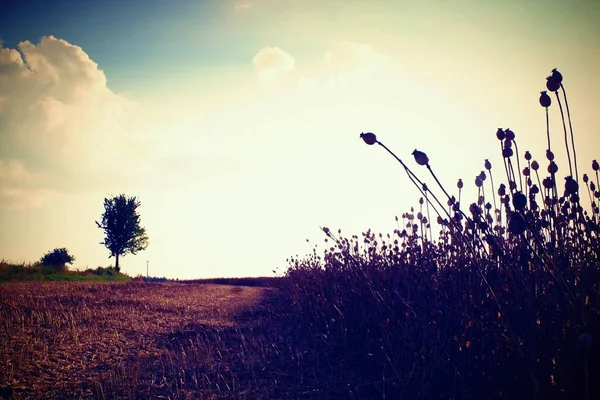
{"type": "Point", "coordinates": [130, 340]}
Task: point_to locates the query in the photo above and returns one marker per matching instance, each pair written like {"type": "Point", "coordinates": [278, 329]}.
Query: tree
{"type": "Point", "coordinates": [121, 225]}
{"type": "Point", "coordinates": [57, 258]}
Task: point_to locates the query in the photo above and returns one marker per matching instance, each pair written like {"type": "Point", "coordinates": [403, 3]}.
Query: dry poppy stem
{"type": "Point", "coordinates": [518, 164]}
{"type": "Point", "coordinates": [548, 128]}
{"type": "Point", "coordinates": [571, 130]}
{"type": "Point", "coordinates": [562, 115]}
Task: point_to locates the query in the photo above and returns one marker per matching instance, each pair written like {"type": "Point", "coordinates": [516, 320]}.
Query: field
{"type": "Point", "coordinates": [135, 340]}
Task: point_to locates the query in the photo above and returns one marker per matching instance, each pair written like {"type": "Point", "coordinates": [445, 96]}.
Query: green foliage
{"type": "Point", "coordinates": [103, 271]}
{"type": "Point", "coordinates": [57, 258]}
{"type": "Point", "coordinates": [121, 225]}
{"type": "Point", "coordinates": [10, 272]}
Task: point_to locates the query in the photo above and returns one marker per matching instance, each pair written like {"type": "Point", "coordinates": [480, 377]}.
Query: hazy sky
{"type": "Point", "coordinates": [237, 123]}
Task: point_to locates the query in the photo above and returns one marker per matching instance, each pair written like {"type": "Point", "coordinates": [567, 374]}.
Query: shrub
{"type": "Point", "coordinates": [103, 271]}
{"type": "Point", "coordinates": [57, 259]}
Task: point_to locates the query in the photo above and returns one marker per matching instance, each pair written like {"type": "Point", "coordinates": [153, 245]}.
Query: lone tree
{"type": "Point", "coordinates": [121, 225]}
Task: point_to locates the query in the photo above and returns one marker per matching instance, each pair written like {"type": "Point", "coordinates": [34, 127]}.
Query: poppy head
{"type": "Point", "coordinates": [545, 100]}
{"type": "Point", "coordinates": [420, 157]}
{"type": "Point", "coordinates": [369, 138]}
{"type": "Point", "coordinates": [571, 185]}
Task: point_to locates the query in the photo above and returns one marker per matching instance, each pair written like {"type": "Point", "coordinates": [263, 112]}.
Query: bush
{"type": "Point", "coordinates": [57, 259]}
{"type": "Point", "coordinates": [102, 271]}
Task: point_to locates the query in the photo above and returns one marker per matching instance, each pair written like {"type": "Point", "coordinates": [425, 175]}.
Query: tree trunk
{"type": "Point", "coordinates": [117, 263]}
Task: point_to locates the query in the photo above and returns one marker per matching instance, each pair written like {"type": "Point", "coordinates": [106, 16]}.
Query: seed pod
{"type": "Point", "coordinates": [475, 209]}
{"type": "Point", "coordinates": [526, 171]}
{"type": "Point", "coordinates": [545, 100]}
{"type": "Point", "coordinates": [527, 155]}
{"type": "Point", "coordinates": [552, 167]}
{"type": "Point", "coordinates": [369, 138]}
{"type": "Point", "coordinates": [557, 76]}
{"type": "Point", "coordinates": [500, 134]}
{"type": "Point", "coordinates": [488, 164]}
{"type": "Point", "coordinates": [552, 84]}
{"type": "Point", "coordinates": [501, 190]}
{"type": "Point", "coordinates": [510, 135]}
{"type": "Point", "coordinates": [549, 155]}
{"type": "Point", "coordinates": [571, 185]}
{"type": "Point", "coordinates": [595, 165]}
{"type": "Point", "coordinates": [585, 178]}
{"type": "Point", "coordinates": [535, 166]}
{"type": "Point", "coordinates": [507, 152]}
{"type": "Point", "coordinates": [478, 182]}
{"type": "Point", "coordinates": [548, 183]}
{"type": "Point", "coordinates": [420, 157]}
{"type": "Point", "coordinates": [459, 184]}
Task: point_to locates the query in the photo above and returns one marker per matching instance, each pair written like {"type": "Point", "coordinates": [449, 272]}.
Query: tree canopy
{"type": "Point", "coordinates": [121, 225]}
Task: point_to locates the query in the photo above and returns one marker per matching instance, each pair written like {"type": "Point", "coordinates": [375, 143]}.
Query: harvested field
{"type": "Point", "coordinates": [135, 340]}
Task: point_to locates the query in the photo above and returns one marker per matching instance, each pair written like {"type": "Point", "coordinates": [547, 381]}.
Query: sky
{"type": "Point", "coordinates": [236, 122]}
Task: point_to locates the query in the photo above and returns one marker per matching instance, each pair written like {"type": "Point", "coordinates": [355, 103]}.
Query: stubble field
{"type": "Point", "coordinates": [139, 340]}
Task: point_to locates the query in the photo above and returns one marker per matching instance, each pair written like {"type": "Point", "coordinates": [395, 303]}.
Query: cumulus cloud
{"type": "Point", "coordinates": [61, 127]}
{"type": "Point", "coordinates": [272, 62]}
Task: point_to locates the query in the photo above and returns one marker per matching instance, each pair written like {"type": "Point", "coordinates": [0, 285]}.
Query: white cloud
{"type": "Point", "coordinates": [272, 62]}
{"type": "Point", "coordinates": [57, 116]}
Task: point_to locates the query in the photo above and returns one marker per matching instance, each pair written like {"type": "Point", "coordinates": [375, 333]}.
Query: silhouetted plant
{"type": "Point", "coordinates": [57, 258]}
{"type": "Point", "coordinates": [505, 303]}
{"type": "Point", "coordinates": [121, 225]}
